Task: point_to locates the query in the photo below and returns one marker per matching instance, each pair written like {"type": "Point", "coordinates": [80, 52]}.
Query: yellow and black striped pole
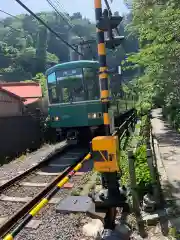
{"type": "Point", "coordinates": [46, 199]}
{"type": "Point", "coordinates": [108, 179]}
{"type": "Point", "coordinates": [103, 75]}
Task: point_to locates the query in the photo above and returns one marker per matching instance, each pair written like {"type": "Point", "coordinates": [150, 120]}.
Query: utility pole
{"type": "Point", "coordinates": [72, 53]}
{"type": "Point", "coordinates": [80, 49]}
{"type": "Point", "coordinates": [107, 145]}
{"type": "Point", "coordinates": [83, 44]}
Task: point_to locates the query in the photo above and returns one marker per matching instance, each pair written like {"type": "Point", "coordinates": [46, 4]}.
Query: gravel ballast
{"type": "Point", "coordinates": [38, 178]}
{"type": "Point", "coordinates": [58, 226]}
{"type": "Point", "coordinates": [9, 208]}
{"type": "Point", "coordinates": [55, 226]}
{"type": "Point", "coordinates": [52, 225]}
{"type": "Point", "coordinates": [15, 167]}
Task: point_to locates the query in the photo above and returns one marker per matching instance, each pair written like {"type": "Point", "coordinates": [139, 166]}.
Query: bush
{"type": "Point", "coordinates": [143, 177]}
{"type": "Point", "coordinates": [172, 114]}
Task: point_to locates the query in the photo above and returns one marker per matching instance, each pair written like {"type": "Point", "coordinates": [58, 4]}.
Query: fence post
{"type": "Point", "coordinates": [135, 198]}
{"type": "Point", "coordinates": [132, 175]}
{"type": "Point", "coordinates": [157, 188]}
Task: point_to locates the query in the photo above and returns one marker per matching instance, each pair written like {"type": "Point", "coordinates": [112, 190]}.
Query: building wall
{"type": "Point", "coordinates": [17, 134]}
{"type": "Point", "coordinates": [9, 106]}
{"type": "Point", "coordinates": [42, 104]}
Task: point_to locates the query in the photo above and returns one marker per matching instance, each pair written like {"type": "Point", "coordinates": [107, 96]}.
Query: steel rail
{"type": "Point", "coordinates": [47, 193]}
{"type": "Point", "coordinates": [33, 168]}
{"type": "Point", "coordinates": [57, 185]}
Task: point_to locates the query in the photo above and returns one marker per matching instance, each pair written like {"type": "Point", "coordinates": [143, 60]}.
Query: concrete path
{"type": "Point", "coordinates": [169, 151]}
{"type": "Point", "coordinates": [167, 145]}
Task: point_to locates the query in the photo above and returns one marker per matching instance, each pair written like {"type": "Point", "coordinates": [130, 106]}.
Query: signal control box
{"type": "Point", "coordinates": [108, 147]}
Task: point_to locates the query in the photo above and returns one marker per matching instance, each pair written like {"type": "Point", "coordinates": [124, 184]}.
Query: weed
{"type": "Point", "coordinates": [143, 178]}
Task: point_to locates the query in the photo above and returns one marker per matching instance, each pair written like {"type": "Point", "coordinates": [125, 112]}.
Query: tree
{"type": "Point", "coordinates": [27, 59]}
{"type": "Point", "coordinates": [76, 15]}
{"type": "Point", "coordinates": [38, 49]}
{"type": "Point", "coordinates": [41, 49]}
{"type": "Point", "coordinates": [41, 79]}
{"type": "Point", "coordinates": [157, 26]}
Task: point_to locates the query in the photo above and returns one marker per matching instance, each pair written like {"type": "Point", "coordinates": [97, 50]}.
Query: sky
{"type": "Point", "coordinates": [86, 7]}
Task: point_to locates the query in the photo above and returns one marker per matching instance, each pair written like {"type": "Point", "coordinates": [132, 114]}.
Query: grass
{"type": "Point", "coordinates": [21, 158]}
{"type": "Point", "coordinates": [141, 167]}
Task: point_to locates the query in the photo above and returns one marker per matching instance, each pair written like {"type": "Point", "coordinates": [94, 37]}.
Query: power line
{"type": "Point", "coordinates": [65, 15]}
{"type": "Point", "coordinates": [14, 29]}
{"type": "Point", "coordinates": [9, 14]}
{"type": "Point", "coordinates": [65, 19]}
{"type": "Point", "coordinates": [49, 28]}
{"type": "Point", "coordinates": [60, 14]}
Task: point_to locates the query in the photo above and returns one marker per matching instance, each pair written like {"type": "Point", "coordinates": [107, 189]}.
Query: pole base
{"type": "Point", "coordinates": [103, 201]}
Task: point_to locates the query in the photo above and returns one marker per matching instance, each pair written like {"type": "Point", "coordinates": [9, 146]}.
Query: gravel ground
{"type": "Point", "coordinates": [17, 191]}
{"type": "Point", "coordinates": [12, 169]}
{"type": "Point", "coordinates": [56, 226]}
{"type": "Point", "coordinates": [53, 226]}
{"type": "Point", "coordinates": [21, 191]}
{"type": "Point", "coordinates": [38, 178]}
{"type": "Point", "coordinates": [9, 208]}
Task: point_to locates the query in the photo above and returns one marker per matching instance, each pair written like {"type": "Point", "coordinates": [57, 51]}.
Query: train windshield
{"type": "Point", "coordinates": [91, 82]}
{"type": "Point", "coordinates": [70, 85]}
{"type": "Point", "coordinates": [73, 85]}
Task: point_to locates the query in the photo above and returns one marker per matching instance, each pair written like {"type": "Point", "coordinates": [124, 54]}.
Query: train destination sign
{"type": "Point", "coordinates": [60, 75]}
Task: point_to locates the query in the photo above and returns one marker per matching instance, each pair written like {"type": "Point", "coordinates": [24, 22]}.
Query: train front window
{"type": "Point", "coordinates": [70, 87]}
{"type": "Point", "coordinates": [52, 92]}
{"type": "Point", "coordinates": [91, 81]}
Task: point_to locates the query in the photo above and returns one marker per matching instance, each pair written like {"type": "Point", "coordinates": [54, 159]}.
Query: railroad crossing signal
{"type": "Point", "coordinates": [107, 23]}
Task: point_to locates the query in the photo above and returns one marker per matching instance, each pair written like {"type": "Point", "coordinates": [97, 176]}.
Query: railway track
{"type": "Point", "coordinates": [20, 194]}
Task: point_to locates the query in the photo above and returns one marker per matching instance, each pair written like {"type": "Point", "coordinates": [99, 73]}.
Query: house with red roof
{"type": "Point", "coordinates": [10, 104]}
{"type": "Point", "coordinates": [30, 92]}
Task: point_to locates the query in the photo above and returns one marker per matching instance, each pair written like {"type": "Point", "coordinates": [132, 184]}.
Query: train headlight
{"type": "Point", "coordinates": [56, 118]}
{"type": "Point", "coordinates": [95, 115]}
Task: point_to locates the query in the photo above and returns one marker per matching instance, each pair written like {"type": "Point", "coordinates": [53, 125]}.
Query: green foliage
{"type": "Point", "coordinates": [41, 52]}
{"type": "Point", "coordinates": [157, 26]}
{"type": "Point", "coordinates": [143, 177]}
{"type": "Point", "coordinates": [51, 58]}
{"type": "Point", "coordinates": [36, 49]}
{"type": "Point", "coordinates": [41, 79]}
{"type": "Point", "coordinates": [142, 171]}
{"type": "Point", "coordinates": [124, 168]}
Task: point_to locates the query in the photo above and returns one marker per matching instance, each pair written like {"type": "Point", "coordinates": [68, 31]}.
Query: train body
{"type": "Point", "coordinates": [74, 96]}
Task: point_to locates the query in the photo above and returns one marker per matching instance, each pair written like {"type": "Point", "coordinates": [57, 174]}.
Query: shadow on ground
{"type": "Point", "coordinates": [168, 136]}
{"type": "Point", "coordinates": [169, 215]}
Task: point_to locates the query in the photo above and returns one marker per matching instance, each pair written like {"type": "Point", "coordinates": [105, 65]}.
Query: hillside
{"type": "Point", "coordinates": [26, 47]}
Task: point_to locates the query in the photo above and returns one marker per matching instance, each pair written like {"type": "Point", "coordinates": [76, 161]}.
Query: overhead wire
{"type": "Point", "coordinates": [12, 28]}
{"type": "Point", "coordinates": [67, 20]}
{"type": "Point", "coordinates": [47, 26]}
{"type": "Point", "coordinates": [65, 15]}
{"type": "Point", "coordinates": [59, 13]}
{"type": "Point", "coordinates": [70, 20]}
{"type": "Point", "coordinates": [9, 14]}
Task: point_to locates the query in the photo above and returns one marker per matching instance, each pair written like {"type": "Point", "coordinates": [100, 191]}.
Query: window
{"type": "Point", "coordinates": [52, 88]}
{"type": "Point", "coordinates": [91, 81]}
{"type": "Point", "coordinates": [70, 87]}
{"type": "Point", "coordinates": [73, 85]}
